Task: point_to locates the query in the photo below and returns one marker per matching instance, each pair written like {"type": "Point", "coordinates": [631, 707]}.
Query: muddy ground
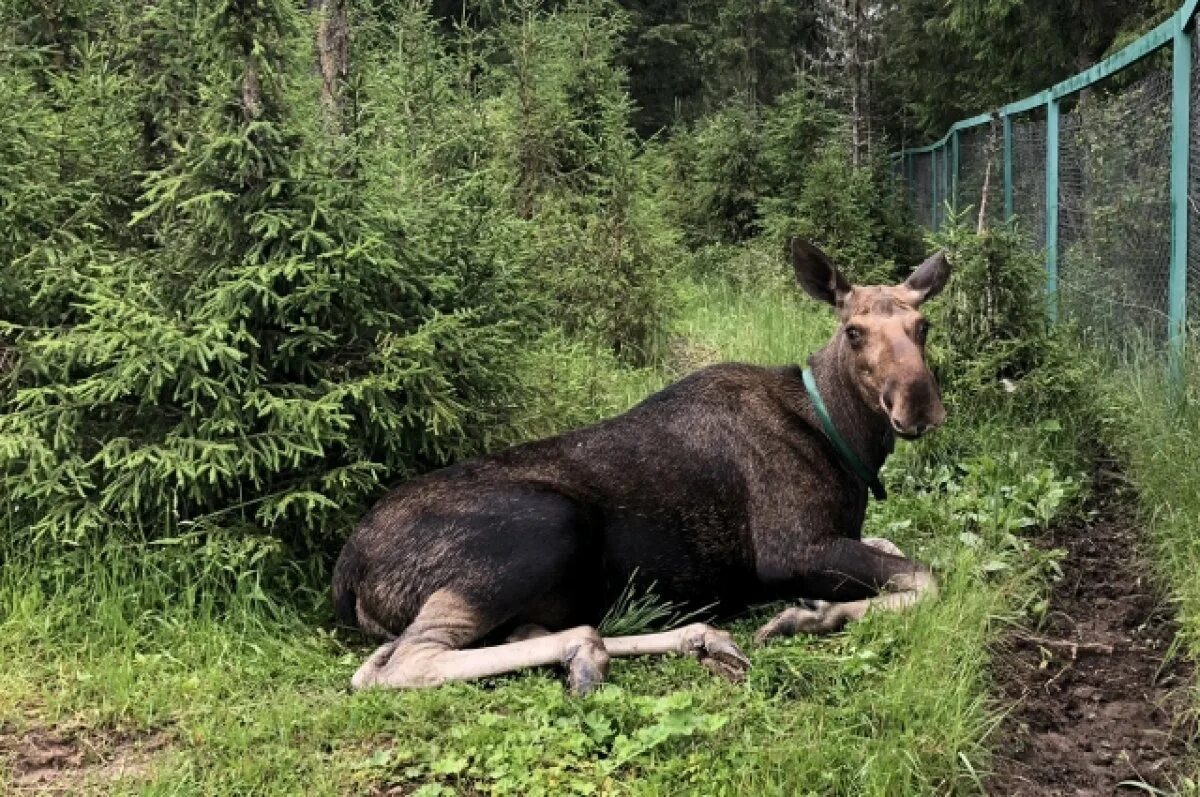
{"type": "Point", "coordinates": [1100, 696]}
{"type": "Point", "coordinates": [68, 763]}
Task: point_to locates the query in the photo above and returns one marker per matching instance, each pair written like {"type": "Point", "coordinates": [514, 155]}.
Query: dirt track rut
{"type": "Point", "coordinates": [1100, 698]}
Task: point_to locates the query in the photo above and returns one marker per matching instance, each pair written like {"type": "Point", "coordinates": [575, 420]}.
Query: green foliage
{"type": "Point", "coordinates": [992, 346]}
{"type": "Point", "coordinates": [786, 170]}
{"type": "Point", "coordinates": [639, 610]}
{"type": "Point", "coordinates": [553, 748]}
{"type": "Point", "coordinates": [291, 309]}
{"type": "Point", "coordinates": [753, 266]}
{"type": "Point", "coordinates": [720, 180]}
{"type": "Point", "coordinates": [1153, 428]}
{"type": "Point", "coordinates": [1116, 237]}
{"type": "Point", "coordinates": [239, 312]}
{"type": "Point", "coordinates": [687, 59]}
{"type": "Point", "coordinates": [942, 62]}
{"type": "Point", "coordinates": [255, 370]}
{"type": "Point", "coordinates": [66, 174]}
{"type": "Point", "coordinates": [844, 210]}
{"type": "Point", "coordinates": [797, 129]}
{"type": "Point", "coordinates": [594, 240]}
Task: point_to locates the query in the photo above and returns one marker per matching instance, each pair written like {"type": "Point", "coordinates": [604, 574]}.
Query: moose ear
{"type": "Point", "coordinates": [816, 273]}
{"type": "Point", "coordinates": [929, 279]}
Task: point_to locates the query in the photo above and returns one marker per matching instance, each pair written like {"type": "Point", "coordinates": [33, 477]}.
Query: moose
{"type": "Point", "coordinates": [738, 485]}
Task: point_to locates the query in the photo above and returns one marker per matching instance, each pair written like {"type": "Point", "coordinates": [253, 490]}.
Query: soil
{"type": "Point", "coordinates": [40, 761]}
{"type": "Point", "coordinates": [1100, 694]}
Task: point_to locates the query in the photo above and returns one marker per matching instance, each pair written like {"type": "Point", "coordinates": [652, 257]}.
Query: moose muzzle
{"type": "Point", "coordinates": [913, 406]}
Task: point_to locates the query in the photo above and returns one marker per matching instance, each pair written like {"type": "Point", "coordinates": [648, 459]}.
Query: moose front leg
{"type": "Point", "coordinates": [845, 581]}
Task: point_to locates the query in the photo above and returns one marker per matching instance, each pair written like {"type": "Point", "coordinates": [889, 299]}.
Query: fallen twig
{"type": "Point", "coordinates": [1061, 645]}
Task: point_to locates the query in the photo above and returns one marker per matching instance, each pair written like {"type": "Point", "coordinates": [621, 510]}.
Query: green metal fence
{"type": "Point", "coordinates": [1103, 173]}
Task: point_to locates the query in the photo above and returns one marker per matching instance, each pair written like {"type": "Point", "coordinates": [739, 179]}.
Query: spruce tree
{"type": "Point", "coordinates": [601, 246]}
{"type": "Point", "coordinates": [271, 355]}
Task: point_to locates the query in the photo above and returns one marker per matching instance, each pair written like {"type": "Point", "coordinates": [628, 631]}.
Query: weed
{"type": "Point", "coordinates": [638, 610]}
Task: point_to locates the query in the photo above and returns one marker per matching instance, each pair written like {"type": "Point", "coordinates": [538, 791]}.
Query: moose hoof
{"type": "Point", "coordinates": [587, 664]}
{"type": "Point", "coordinates": [815, 617]}
{"type": "Point", "coordinates": [717, 651]}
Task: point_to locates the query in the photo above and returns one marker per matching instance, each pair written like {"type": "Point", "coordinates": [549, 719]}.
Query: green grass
{"type": "Point", "coordinates": [248, 693]}
{"type": "Point", "coordinates": [1154, 429]}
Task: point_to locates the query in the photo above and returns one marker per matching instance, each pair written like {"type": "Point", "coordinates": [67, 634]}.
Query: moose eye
{"type": "Point", "coordinates": [923, 330]}
{"type": "Point", "coordinates": [854, 335]}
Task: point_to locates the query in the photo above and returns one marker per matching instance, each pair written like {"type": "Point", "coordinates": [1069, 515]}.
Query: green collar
{"type": "Point", "coordinates": [848, 455]}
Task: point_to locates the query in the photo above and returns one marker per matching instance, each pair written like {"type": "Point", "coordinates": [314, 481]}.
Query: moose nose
{"type": "Point", "coordinates": [918, 428]}
{"type": "Point", "coordinates": [910, 431]}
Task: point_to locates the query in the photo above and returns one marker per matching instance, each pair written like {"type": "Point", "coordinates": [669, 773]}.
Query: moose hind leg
{"type": "Point", "coordinates": [500, 556]}
{"type": "Point", "coordinates": [527, 631]}
{"type": "Point", "coordinates": [850, 578]}
{"type": "Point", "coordinates": [430, 652]}
{"type": "Point", "coordinates": [713, 648]}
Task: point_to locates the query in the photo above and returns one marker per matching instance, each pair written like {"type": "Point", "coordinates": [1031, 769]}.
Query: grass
{"type": "Point", "coordinates": [1157, 436]}
{"type": "Point", "coordinates": [1154, 429]}
{"type": "Point", "coordinates": [248, 694]}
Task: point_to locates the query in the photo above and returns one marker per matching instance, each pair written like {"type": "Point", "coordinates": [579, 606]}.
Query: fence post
{"type": "Point", "coordinates": [954, 171]}
{"type": "Point", "coordinates": [1008, 168]}
{"type": "Point", "coordinates": [1181, 85]}
{"type": "Point", "coordinates": [1051, 208]}
{"type": "Point", "coordinates": [933, 182]}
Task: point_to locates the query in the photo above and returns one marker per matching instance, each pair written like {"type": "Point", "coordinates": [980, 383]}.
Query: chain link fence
{"type": "Point", "coordinates": [1028, 147]}
{"type": "Point", "coordinates": [1114, 211]}
{"type": "Point", "coordinates": [979, 189]}
{"type": "Point", "coordinates": [1115, 153]}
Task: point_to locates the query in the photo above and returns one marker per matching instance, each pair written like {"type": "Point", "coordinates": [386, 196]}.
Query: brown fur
{"type": "Point", "coordinates": [720, 488]}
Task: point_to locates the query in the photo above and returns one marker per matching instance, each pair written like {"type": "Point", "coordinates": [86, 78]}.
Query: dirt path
{"type": "Point", "coordinates": [1095, 703]}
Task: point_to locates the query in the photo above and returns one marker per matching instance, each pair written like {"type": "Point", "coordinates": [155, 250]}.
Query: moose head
{"type": "Point", "coordinates": [880, 342]}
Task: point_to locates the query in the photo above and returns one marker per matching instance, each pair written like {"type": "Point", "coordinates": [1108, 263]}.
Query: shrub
{"type": "Point", "coordinates": [597, 243]}
{"type": "Point", "coordinates": [835, 210]}
{"type": "Point", "coordinates": [258, 368]}
{"type": "Point", "coordinates": [719, 176]}
{"type": "Point", "coordinates": [300, 302]}
{"type": "Point", "coordinates": [993, 346]}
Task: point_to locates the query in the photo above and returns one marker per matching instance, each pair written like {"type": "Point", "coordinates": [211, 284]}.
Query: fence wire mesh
{"type": "Point", "coordinates": [921, 169]}
{"type": "Point", "coordinates": [1120, 276]}
{"type": "Point", "coordinates": [1114, 216]}
{"type": "Point", "coordinates": [980, 183]}
{"type": "Point", "coordinates": [1029, 174]}
{"type": "Point", "coordinates": [1123, 252]}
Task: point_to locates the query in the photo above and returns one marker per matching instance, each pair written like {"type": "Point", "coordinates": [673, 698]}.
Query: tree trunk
{"type": "Point", "coordinates": [333, 55]}
{"type": "Point", "coordinates": [853, 23]}
{"type": "Point", "coordinates": [251, 91]}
